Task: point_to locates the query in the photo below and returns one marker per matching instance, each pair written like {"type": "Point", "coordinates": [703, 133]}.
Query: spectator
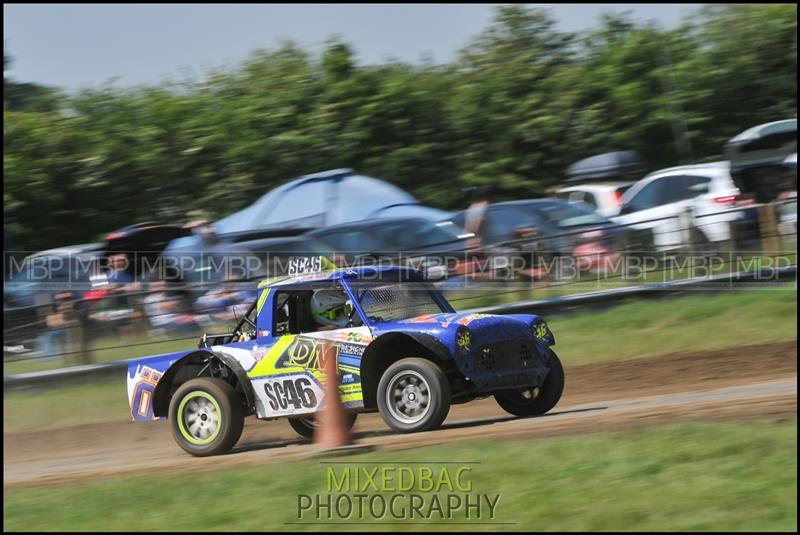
{"type": "Point", "coordinates": [118, 269]}
{"type": "Point", "coordinates": [222, 304]}
{"type": "Point", "coordinates": [121, 283]}
{"type": "Point", "coordinates": [214, 305]}
{"type": "Point", "coordinates": [54, 339]}
{"type": "Point", "coordinates": [473, 218]}
{"type": "Point", "coordinates": [164, 311]}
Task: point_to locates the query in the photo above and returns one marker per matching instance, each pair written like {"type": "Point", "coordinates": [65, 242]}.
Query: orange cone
{"type": "Point", "coordinates": [332, 431]}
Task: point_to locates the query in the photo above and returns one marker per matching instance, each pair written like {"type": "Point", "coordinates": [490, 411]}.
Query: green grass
{"type": "Point", "coordinates": [675, 324]}
{"type": "Point", "coordinates": [698, 477]}
{"type": "Point", "coordinates": [119, 351]}
{"type": "Point", "coordinates": [76, 404]}
{"type": "Point", "coordinates": [638, 328]}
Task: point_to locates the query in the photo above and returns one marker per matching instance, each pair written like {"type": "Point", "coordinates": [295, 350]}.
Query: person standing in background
{"type": "Point", "coordinates": [55, 338]}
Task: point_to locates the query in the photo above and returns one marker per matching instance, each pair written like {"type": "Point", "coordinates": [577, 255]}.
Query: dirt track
{"type": "Point", "coordinates": [736, 383]}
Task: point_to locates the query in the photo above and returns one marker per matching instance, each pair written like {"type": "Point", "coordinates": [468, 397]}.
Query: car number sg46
{"type": "Point", "coordinates": [290, 394]}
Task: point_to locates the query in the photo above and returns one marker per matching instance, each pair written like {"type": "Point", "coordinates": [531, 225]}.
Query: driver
{"type": "Point", "coordinates": [328, 309]}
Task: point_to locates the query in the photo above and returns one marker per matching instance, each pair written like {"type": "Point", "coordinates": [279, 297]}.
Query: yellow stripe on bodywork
{"type": "Point", "coordinates": [348, 369]}
{"type": "Point", "coordinates": [266, 366]}
{"type": "Point", "coordinates": [261, 300]}
{"type": "Point", "coordinates": [273, 280]}
{"type": "Point", "coordinates": [346, 398]}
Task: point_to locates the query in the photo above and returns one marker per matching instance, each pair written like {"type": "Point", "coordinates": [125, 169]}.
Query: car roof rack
{"type": "Point", "coordinates": [619, 165]}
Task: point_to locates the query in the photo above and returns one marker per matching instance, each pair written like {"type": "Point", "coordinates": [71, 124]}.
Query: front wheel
{"type": "Point", "coordinates": [413, 395]}
{"type": "Point", "coordinates": [207, 416]}
{"type": "Point", "coordinates": [535, 401]}
{"type": "Point", "coordinates": [305, 425]}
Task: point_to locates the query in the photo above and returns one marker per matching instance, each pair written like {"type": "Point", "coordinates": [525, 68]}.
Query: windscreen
{"type": "Point", "coordinates": [397, 301]}
{"type": "Point", "coordinates": [406, 235]}
{"type": "Point", "coordinates": [563, 214]}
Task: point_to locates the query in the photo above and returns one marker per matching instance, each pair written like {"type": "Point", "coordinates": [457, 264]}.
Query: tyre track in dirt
{"type": "Point", "coordinates": [733, 383]}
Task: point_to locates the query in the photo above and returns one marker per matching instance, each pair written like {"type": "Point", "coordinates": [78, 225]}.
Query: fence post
{"type": "Point", "coordinates": [768, 229]}
{"type": "Point", "coordinates": [84, 355]}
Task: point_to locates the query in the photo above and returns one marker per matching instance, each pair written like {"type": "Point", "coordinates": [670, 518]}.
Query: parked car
{"type": "Point", "coordinates": [416, 210]}
{"type": "Point", "coordinates": [551, 228]}
{"type": "Point", "coordinates": [605, 198]}
{"type": "Point", "coordinates": [143, 244]}
{"type": "Point", "coordinates": [417, 241]}
{"type": "Point", "coordinates": [43, 274]}
{"type": "Point", "coordinates": [671, 202]}
{"type": "Point", "coordinates": [758, 159]}
{"type": "Point", "coordinates": [600, 180]}
{"type": "Point", "coordinates": [32, 286]}
{"type": "Point", "coordinates": [226, 267]}
{"type": "Point", "coordinates": [275, 255]}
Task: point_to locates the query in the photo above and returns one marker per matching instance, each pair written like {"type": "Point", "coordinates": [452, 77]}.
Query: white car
{"type": "Point", "coordinates": [605, 198]}
{"type": "Point", "coordinates": [672, 201]}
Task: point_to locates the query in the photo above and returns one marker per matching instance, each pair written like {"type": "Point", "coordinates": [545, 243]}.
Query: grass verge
{"type": "Point", "coordinates": [675, 324]}
{"type": "Point", "coordinates": [697, 477]}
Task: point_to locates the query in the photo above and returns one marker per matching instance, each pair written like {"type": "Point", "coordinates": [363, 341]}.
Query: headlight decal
{"type": "Point", "coordinates": [542, 332]}
{"type": "Point", "coordinates": [464, 340]}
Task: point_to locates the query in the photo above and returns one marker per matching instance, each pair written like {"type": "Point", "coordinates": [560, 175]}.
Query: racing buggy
{"type": "Point", "coordinates": [400, 350]}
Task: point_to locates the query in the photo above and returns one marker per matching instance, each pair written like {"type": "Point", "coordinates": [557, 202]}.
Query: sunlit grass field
{"type": "Point", "coordinates": [696, 477]}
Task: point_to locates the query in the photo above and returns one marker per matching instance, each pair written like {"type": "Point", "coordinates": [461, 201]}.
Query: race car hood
{"type": "Point", "coordinates": [483, 328]}
{"type": "Point", "coordinates": [492, 352]}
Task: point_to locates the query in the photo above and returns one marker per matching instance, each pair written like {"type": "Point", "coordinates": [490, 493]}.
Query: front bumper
{"type": "Point", "coordinates": [506, 365]}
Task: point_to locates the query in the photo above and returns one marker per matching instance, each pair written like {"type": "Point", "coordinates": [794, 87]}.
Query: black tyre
{"type": "Point", "coordinates": [413, 395]}
{"type": "Point", "coordinates": [305, 425]}
{"type": "Point", "coordinates": [535, 401]}
{"type": "Point", "coordinates": [207, 416]}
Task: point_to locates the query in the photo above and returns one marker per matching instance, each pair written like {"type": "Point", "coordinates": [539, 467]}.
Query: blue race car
{"type": "Point", "coordinates": [399, 346]}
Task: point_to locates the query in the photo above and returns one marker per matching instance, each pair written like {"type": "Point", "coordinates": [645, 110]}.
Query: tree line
{"type": "Point", "coordinates": [520, 103]}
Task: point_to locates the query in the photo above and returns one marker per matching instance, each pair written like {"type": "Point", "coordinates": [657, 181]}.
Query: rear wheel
{"type": "Point", "coordinates": [413, 395]}
{"type": "Point", "coordinates": [207, 416]}
{"type": "Point", "coordinates": [305, 425]}
{"type": "Point", "coordinates": [534, 401]}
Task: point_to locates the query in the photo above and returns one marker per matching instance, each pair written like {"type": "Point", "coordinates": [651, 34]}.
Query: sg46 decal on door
{"type": "Point", "coordinates": [291, 394]}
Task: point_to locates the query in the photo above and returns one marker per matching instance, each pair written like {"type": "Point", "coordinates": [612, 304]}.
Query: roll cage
{"type": "Point", "coordinates": [246, 327]}
{"type": "Point", "coordinates": [237, 333]}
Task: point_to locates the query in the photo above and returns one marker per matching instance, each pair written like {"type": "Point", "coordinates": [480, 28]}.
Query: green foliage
{"type": "Point", "coordinates": [520, 103]}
